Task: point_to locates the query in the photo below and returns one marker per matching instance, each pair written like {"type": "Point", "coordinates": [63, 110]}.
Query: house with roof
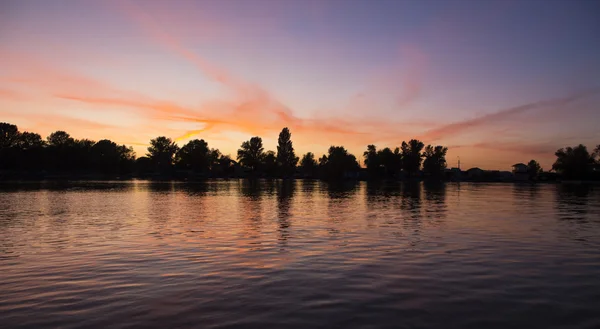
{"type": "Point", "coordinates": [475, 174]}
{"type": "Point", "coordinates": [520, 172]}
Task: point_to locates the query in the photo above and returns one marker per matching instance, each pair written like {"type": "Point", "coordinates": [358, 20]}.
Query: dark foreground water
{"type": "Point", "coordinates": [273, 254]}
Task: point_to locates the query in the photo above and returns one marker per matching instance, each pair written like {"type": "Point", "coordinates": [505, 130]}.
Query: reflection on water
{"type": "Point", "coordinates": [299, 254]}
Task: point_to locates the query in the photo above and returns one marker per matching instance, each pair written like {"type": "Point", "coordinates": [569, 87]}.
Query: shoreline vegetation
{"type": "Point", "coordinates": [26, 156]}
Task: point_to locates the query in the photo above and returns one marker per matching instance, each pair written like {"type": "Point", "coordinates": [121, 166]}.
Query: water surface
{"type": "Point", "coordinates": [298, 254]}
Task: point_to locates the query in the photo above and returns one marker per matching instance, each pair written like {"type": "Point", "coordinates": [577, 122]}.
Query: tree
{"type": "Point", "coordinates": [9, 135]}
{"type": "Point", "coordinates": [338, 162]}
{"type": "Point", "coordinates": [391, 161]}
{"type": "Point", "coordinates": [411, 156]}
{"type": "Point", "coordinates": [372, 160]}
{"type": "Point", "coordinates": [286, 158]}
{"type": "Point", "coordinates": [223, 165]}
{"type": "Point", "coordinates": [161, 152]}
{"type": "Point", "coordinates": [80, 154]}
{"type": "Point", "coordinates": [213, 158]}
{"type": "Point", "coordinates": [270, 164]}
{"type": "Point", "coordinates": [597, 153]}
{"type": "Point", "coordinates": [60, 154]}
{"type": "Point", "coordinates": [573, 163]}
{"type": "Point", "coordinates": [29, 140]}
{"type": "Point", "coordinates": [60, 139]}
{"type": "Point", "coordinates": [251, 153]}
{"type": "Point", "coordinates": [435, 160]}
{"type": "Point", "coordinates": [31, 151]}
{"type": "Point", "coordinates": [108, 157]}
{"type": "Point", "coordinates": [143, 166]}
{"type": "Point", "coordinates": [533, 169]}
{"type": "Point", "coordinates": [323, 160]}
{"type": "Point", "coordinates": [308, 165]}
{"type": "Point", "coordinates": [105, 156]}
{"type": "Point", "coordinates": [195, 156]}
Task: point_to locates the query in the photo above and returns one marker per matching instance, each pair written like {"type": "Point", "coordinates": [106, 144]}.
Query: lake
{"type": "Point", "coordinates": [299, 254]}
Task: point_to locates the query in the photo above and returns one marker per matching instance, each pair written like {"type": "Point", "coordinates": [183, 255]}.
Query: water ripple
{"type": "Point", "coordinates": [299, 254]}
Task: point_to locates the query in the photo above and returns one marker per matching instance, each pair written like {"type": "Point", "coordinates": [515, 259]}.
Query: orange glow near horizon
{"type": "Point", "coordinates": [133, 70]}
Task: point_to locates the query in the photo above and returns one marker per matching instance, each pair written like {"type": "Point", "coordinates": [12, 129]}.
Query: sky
{"type": "Point", "coordinates": [498, 82]}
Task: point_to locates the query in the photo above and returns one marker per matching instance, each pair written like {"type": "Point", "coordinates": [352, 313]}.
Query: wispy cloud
{"type": "Point", "coordinates": [459, 127]}
{"type": "Point", "coordinates": [12, 95]}
{"type": "Point", "coordinates": [256, 110]}
{"type": "Point", "coordinates": [47, 122]}
{"type": "Point", "coordinates": [536, 149]}
{"type": "Point", "coordinates": [258, 115]}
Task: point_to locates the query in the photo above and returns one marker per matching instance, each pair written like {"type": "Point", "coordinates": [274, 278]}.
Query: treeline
{"type": "Point", "coordinates": [26, 154]}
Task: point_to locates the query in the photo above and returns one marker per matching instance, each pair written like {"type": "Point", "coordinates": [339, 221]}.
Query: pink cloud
{"type": "Point", "coordinates": [493, 119]}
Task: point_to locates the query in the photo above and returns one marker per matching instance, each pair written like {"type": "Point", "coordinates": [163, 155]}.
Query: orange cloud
{"type": "Point", "coordinates": [257, 111]}
{"type": "Point", "coordinates": [11, 95]}
{"type": "Point", "coordinates": [253, 101]}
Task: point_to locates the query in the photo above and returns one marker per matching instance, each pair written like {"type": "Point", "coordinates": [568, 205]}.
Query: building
{"type": "Point", "coordinates": [520, 172]}
{"type": "Point", "coordinates": [520, 168]}
{"type": "Point", "coordinates": [475, 173]}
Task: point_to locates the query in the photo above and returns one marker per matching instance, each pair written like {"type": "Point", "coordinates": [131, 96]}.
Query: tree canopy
{"type": "Point", "coordinates": [251, 154]}
{"type": "Point", "coordinates": [434, 162]}
{"type": "Point", "coordinates": [533, 169]}
{"type": "Point", "coordinates": [411, 156]}
{"type": "Point", "coordinates": [338, 163]}
{"type": "Point", "coordinates": [195, 156]}
{"type": "Point", "coordinates": [308, 165]}
{"type": "Point", "coordinates": [162, 152]}
{"type": "Point", "coordinates": [573, 162]}
{"type": "Point", "coordinates": [286, 157]}
{"type": "Point", "coordinates": [9, 134]}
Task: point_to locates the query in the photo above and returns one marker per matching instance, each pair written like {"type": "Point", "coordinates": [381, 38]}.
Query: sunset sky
{"type": "Point", "coordinates": [498, 82]}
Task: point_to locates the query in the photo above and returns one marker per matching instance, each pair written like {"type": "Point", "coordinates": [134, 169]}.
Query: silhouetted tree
{"type": "Point", "coordinates": [161, 152]}
{"type": "Point", "coordinates": [597, 153]}
{"type": "Point", "coordinates": [270, 164]}
{"type": "Point", "coordinates": [251, 154]}
{"type": "Point", "coordinates": [60, 152]}
{"type": "Point", "coordinates": [435, 160]}
{"type": "Point", "coordinates": [223, 165]}
{"type": "Point", "coordinates": [391, 161]}
{"type": "Point", "coordinates": [31, 151]}
{"type": "Point", "coordinates": [382, 163]}
{"type": "Point", "coordinates": [9, 135]}
{"type": "Point", "coordinates": [286, 158]}
{"type": "Point", "coordinates": [80, 154]}
{"type": "Point", "coordinates": [214, 155]}
{"type": "Point", "coordinates": [29, 140]}
{"type": "Point", "coordinates": [337, 163]}
{"type": "Point", "coordinates": [308, 165]}
{"type": "Point", "coordinates": [372, 161]}
{"type": "Point", "coordinates": [60, 139]}
{"type": "Point", "coordinates": [105, 156]}
{"type": "Point", "coordinates": [195, 156]}
{"type": "Point", "coordinates": [143, 166]}
{"type": "Point", "coordinates": [109, 158]}
{"type": "Point", "coordinates": [573, 163]}
{"type": "Point", "coordinates": [533, 169]}
{"type": "Point", "coordinates": [323, 160]}
{"type": "Point", "coordinates": [411, 156]}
